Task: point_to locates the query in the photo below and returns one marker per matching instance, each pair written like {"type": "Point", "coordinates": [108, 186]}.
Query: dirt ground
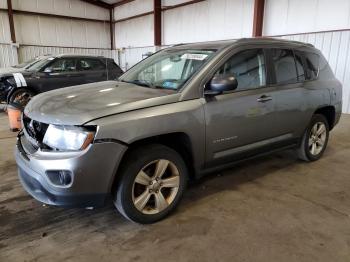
{"type": "Point", "coordinates": [275, 208]}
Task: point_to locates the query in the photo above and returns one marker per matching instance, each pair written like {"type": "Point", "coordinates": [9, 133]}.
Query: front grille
{"type": "Point", "coordinates": [34, 131]}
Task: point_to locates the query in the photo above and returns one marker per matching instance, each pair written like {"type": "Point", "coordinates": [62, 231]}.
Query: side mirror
{"type": "Point", "coordinates": [220, 84]}
{"type": "Point", "coordinates": [48, 70]}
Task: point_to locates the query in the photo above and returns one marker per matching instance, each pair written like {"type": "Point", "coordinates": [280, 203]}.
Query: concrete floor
{"type": "Point", "coordinates": [274, 208]}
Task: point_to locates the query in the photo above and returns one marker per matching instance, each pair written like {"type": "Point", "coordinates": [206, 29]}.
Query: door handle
{"type": "Point", "coordinates": [264, 98]}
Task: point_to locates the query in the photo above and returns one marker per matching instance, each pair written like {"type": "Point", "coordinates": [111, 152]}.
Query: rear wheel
{"type": "Point", "coordinates": [21, 96]}
{"type": "Point", "coordinates": [315, 139]}
{"type": "Point", "coordinates": [151, 184]}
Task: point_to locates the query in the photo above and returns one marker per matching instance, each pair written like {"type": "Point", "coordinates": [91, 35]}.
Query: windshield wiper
{"type": "Point", "coordinates": [139, 83]}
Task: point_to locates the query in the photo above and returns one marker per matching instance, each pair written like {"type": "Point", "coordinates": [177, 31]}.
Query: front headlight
{"type": "Point", "coordinates": [68, 138]}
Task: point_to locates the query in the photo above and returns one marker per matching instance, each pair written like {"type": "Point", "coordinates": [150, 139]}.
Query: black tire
{"type": "Point", "coordinates": [304, 150]}
{"type": "Point", "coordinates": [26, 93]}
{"type": "Point", "coordinates": [137, 160]}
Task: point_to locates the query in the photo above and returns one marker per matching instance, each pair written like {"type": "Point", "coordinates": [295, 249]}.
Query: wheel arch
{"type": "Point", "coordinates": [14, 89]}
{"type": "Point", "coordinates": [329, 113]}
{"type": "Point", "coordinates": [178, 141]}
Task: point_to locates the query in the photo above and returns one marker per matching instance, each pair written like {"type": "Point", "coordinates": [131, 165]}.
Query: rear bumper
{"type": "Point", "coordinates": [93, 171]}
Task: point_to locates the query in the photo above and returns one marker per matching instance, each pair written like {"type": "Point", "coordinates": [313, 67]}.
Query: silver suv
{"type": "Point", "coordinates": [181, 113]}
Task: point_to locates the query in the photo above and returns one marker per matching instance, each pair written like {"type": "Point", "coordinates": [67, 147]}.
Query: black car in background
{"type": "Point", "coordinates": [56, 72]}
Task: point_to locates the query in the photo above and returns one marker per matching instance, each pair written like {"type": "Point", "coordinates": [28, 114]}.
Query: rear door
{"type": "Point", "coordinates": [93, 69]}
{"type": "Point", "coordinates": [289, 95]}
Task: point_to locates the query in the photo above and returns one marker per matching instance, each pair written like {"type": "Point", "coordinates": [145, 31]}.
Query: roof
{"type": "Point", "coordinates": [228, 43]}
{"type": "Point", "coordinates": [79, 56]}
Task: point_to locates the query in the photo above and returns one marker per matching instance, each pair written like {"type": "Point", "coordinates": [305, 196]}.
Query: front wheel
{"type": "Point", "coordinates": [315, 139]}
{"type": "Point", "coordinates": [151, 183]}
{"type": "Point", "coordinates": [21, 97]}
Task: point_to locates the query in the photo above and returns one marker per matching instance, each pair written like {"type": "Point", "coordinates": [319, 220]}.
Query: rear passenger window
{"type": "Point", "coordinates": [87, 64]}
{"type": "Point", "coordinates": [284, 64]}
{"type": "Point", "coordinates": [300, 67]}
{"type": "Point", "coordinates": [312, 65]}
{"type": "Point", "coordinates": [248, 67]}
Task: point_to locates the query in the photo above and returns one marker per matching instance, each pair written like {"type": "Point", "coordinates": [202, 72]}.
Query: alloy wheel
{"type": "Point", "coordinates": [156, 186]}
{"type": "Point", "coordinates": [317, 138]}
{"type": "Point", "coordinates": [22, 98]}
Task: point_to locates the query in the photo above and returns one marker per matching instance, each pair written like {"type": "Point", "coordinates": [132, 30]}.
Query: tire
{"type": "Point", "coordinates": [312, 146]}
{"type": "Point", "coordinates": [21, 96]}
{"type": "Point", "coordinates": [138, 196]}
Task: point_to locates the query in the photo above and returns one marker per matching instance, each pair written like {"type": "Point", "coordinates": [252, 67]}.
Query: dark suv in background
{"type": "Point", "coordinates": [181, 113]}
{"type": "Point", "coordinates": [55, 72]}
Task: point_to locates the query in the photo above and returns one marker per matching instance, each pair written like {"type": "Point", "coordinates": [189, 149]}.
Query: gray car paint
{"type": "Point", "coordinates": [219, 128]}
{"type": "Point", "coordinates": [69, 106]}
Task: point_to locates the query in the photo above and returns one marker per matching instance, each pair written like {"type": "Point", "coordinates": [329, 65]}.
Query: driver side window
{"type": "Point", "coordinates": [63, 65]}
{"type": "Point", "coordinates": [248, 67]}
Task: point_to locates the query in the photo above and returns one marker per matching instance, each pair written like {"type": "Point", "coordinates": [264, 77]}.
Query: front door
{"type": "Point", "coordinates": [60, 73]}
{"type": "Point", "coordinates": [239, 123]}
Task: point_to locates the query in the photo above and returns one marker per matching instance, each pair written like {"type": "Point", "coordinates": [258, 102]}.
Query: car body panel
{"type": "Point", "coordinates": [221, 129]}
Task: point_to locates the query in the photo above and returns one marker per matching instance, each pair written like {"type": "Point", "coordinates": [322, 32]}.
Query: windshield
{"type": "Point", "coordinates": [168, 69]}
{"type": "Point", "coordinates": [24, 64]}
{"type": "Point", "coordinates": [40, 64]}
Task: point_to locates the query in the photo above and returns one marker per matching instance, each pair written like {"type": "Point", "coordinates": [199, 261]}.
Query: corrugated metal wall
{"type": "Point", "coordinates": [8, 55]}
{"type": "Point", "coordinates": [131, 56]}
{"type": "Point", "coordinates": [203, 21]}
{"type": "Point", "coordinates": [35, 33]}
{"type": "Point", "coordinates": [62, 7]}
{"type": "Point", "coordinates": [335, 46]}
{"type": "Point", "coordinates": [284, 17]}
{"type": "Point", "coordinates": [207, 21]}
{"type": "Point", "coordinates": [48, 31]}
{"type": "Point", "coordinates": [136, 32]}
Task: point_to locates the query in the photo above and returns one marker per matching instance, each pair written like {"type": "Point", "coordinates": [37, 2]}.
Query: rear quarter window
{"type": "Point", "coordinates": [113, 66]}
{"type": "Point", "coordinates": [312, 62]}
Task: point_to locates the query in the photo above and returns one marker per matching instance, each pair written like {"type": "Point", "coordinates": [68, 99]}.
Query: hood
{"type": "Point", "coordinates": [80, 104]}
{"type": "Point", "coordinates": [6, 74]}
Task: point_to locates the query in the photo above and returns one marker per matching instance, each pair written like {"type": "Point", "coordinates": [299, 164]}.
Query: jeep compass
{"type": "Point", "coordinates": [183, 112]}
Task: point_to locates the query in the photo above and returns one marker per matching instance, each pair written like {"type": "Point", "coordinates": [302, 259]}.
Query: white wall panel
{"type": "Point", "coordinates": [134, 33]}
{"type": "Point", "coordinates": [131, 56]}
{"type": "Point", "coordinates": [3, 4]}
{"type": "Point", "coordinates": [27, 29]}
{"type": "Point", "coordinates": [5, 35]}
{"type": "Point", "coordinates": [29, 52]}
{"type": "Point", "coordinates": [79, 33]}
{"type": "Point", "coordinates": [335, 46]}
{"type": "Point", "coordinates": [62, 7]}
{"type": "Point", "coordinates": [299, 16]}
{"type": "Point", "coordinates": [208, 20]}
{"type": "Point", "coordinates": [46, 31]}
{"type": "Point", "coordinates": [8, 55]}
{"type": "Point", "coordinates": [133, 8]}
